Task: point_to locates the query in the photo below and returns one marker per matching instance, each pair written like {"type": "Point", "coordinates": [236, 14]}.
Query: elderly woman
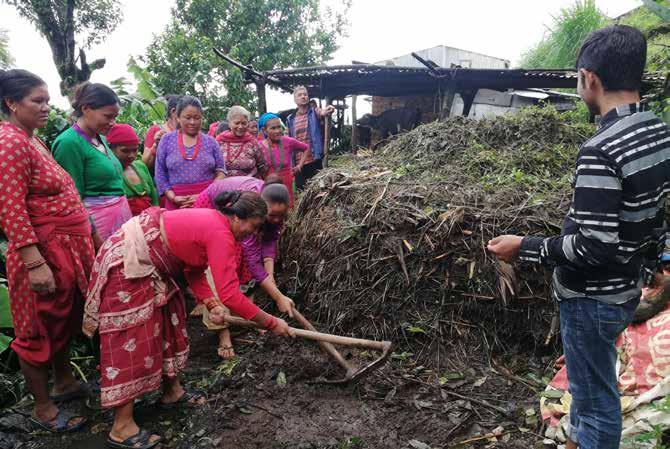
{"type": "Point", "coordinates": [137, 181]}
{"type": "Point", "coordinates": [280, 151]}
{"type": "Point", "coordinates": [256, 253]}
{"type": "Point", "coordinates": [134, 304]}
{"type": "Point", "coordinates": [188, 160]}
{"type": "Point", "coordinates": [240, 148]}
{"type": "Point", "coordinates": [84, 153]}
{"type": "Point", "coordinates": [156, 132]}
{"type": "Point", "coordinates": [50, 250]}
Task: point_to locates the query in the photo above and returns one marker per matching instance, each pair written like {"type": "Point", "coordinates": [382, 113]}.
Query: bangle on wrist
{"type": "Point", "coordinates": [34, 264]}
{"type": "Point", "coordinates": [211, 303]}
{"type": "Point", "coordinates": [270, 323]}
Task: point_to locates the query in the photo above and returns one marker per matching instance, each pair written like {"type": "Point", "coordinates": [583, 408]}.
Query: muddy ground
{"type": "Point", "coordinates": [267, 400]}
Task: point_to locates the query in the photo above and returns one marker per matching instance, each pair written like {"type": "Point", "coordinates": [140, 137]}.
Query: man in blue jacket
{"type": "Point", "coordinates": [305, 125]}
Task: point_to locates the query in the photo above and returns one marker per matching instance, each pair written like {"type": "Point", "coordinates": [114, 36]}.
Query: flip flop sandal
{"type": "Point", "coordinates": [189, 400]}
{"type": "Point", "coordinates": [143, 438]}
{"type": "Point", "coordinates": [225, 348]}
{"type": "Point", "coordinates": [60, 423]}
{"type": "Point", "coordinates": [81, 391]}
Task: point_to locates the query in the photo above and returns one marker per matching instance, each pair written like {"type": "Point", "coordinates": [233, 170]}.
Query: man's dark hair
{"type": "Point", "coordinates": [617, 54]}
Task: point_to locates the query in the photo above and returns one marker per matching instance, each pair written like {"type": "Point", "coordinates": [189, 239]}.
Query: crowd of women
{"type": "Point", "coordinates": [107, 242]}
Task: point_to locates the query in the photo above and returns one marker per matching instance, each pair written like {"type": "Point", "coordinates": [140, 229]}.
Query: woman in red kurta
{"type": "Point", "coordinates": [136, 306]}
{"type": "Point", "coordinates": [279, 150]}
{"type": "Point", "coordinates": [50, 250]}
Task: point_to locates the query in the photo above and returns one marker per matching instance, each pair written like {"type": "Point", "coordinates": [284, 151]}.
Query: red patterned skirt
{"type": "Point", "coordinates": [44, 325]}
{"type": "Point", "coordinates": [142, 322]}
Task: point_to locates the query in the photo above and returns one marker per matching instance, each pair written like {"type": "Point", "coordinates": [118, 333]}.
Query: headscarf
{"type": "Point", "coordinates": [122, 134]}
{"type": "Point", "coordinates": [263, 119]}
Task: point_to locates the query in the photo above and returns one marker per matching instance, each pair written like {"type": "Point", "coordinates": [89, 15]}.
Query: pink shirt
{"type": "Point", "coordinates": [256, 248]}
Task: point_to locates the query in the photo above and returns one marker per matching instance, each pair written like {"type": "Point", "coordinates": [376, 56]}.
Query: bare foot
{"type": "Point", "coordinates": [226, 352]}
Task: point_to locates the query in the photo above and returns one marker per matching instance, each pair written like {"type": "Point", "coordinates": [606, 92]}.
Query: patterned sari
{"type": "Point", "coordinates": [141, 320]}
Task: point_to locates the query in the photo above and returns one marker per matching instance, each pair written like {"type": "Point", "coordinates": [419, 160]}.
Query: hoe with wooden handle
{"type": "Point", "coordinates": [327, 341]}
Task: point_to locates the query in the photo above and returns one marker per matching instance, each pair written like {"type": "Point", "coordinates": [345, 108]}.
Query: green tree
{"type": "Point", "coordinates": [266, 34]}
{"type": "Point", "coordinates": [559, 47]}
{"type": "Point", "coordinates": [6, 59]}
{"type": "Point", "coordinates": [68, 26]}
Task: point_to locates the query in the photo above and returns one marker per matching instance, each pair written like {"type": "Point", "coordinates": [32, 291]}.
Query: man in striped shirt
{"type": "Point", "coordinates": [613, 234]}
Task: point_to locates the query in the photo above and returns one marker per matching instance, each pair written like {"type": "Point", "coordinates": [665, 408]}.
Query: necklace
{"type": "Point", "coordinates": [106, 151]}
{"type": "Point", "coordinates": [270, 155]}
{"type": "Point", "coordinates": [196, 148]}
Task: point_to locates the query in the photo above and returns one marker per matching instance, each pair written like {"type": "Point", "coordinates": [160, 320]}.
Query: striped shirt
{"type": "Point", "coordinates": [615, 227]}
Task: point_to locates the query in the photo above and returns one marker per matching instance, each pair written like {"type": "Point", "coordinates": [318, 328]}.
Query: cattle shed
{"type": "Point", "coordinates": [444, 90]}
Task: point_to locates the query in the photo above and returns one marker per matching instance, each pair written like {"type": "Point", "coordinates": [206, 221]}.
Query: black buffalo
{"type": "Point", "coordinates": [392, 122]}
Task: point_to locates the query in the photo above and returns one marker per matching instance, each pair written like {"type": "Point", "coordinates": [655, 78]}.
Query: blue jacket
{"type": "Point", "coordinates": [314, 128]}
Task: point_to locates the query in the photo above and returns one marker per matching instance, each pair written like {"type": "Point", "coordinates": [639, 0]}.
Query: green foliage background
{"type": "Point", "coordinates": [266, 34]}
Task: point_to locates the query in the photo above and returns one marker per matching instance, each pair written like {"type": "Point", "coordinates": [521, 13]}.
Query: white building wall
{"type": "Point", "coordinates": [445, 56]}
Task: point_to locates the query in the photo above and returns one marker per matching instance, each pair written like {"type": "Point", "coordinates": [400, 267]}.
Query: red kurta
{"type": "Point", "coordinates": [39, 204]}
{"type": "Point", "coordinates": [142, 321]}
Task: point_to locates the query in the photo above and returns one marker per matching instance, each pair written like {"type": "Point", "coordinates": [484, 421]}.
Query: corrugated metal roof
{"type": "Point", "coordinates": [369, 79]}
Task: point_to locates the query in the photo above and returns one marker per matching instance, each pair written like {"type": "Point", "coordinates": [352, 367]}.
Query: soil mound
{"type": "Point", "coordinates": [392, 244]}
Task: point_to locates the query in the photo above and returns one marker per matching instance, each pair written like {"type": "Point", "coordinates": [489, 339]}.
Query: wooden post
{"type": "Point", "coordinates": [447, 101]}
{"type": "Point", "coordinates": [326, 136]}
{"type": "Point", "coordinates": [354, 133]}
{"type": "Point", "coordinates": [260, 91]}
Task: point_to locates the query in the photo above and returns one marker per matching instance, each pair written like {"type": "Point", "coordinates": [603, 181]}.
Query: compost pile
{"type": "Point", "coordinates": [392, 244]}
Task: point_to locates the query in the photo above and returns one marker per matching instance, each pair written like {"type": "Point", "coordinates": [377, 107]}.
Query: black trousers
{"type": "Point", "coordinates": [308, 171]}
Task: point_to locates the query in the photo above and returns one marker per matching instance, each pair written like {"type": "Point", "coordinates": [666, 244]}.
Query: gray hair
{"type": "Point", "coordinates": [297, 89]}
{"type": "Point", "coordinates": [235, 111]}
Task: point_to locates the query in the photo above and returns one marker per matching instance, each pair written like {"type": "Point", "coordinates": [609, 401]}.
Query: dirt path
{"type": "Point", "coordinates": [249, 405]}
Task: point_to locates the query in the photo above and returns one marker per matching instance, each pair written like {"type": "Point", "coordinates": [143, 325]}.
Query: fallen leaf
{"type": "Point", "coordinates": [245, 410]}
{"type": "Point", "coordinates": [552, 394]}
{"type": "Point", "coordinates": [479, 382]}
{"type": "Point", "coordinates": [416, 444]}
{"type": "Point", "coordinates": [281, 379]}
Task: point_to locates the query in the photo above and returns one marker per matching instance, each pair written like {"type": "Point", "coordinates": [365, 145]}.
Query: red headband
{"type": "Point", "coordinates": [122, 134]}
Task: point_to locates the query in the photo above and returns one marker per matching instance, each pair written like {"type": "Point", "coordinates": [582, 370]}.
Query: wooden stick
{"type": "Point", "coordinates": [327, 347]}
{"type": "Point", "coordinates": [318, 336]}
{"type": "Point", "coordinates": [326, 137]}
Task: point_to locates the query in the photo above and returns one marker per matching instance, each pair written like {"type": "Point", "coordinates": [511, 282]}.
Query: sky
{"type": "Point", "coordinates": [379, 30]}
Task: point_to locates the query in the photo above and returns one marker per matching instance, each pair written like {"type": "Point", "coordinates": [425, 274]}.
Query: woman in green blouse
{"type": "Point", "coordinates": [84, 153]}
{"type": "Point", "coordinates": [137, 182]}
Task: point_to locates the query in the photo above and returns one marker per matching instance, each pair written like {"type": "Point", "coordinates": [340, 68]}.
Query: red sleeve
{"type": "Point", "coordinates": [197, 280]}
{"type": "Point", "coordinates": [295, 144]}
{"type": "Point", "coordinates": [14, 182]}
{"type": "Point", "coordinates": [221, 257]}
{"type": "Point", "coordinates": [150, 138]}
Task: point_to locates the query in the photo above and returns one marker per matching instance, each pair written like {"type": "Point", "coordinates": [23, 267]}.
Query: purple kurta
{"type": "Point", "coordinates": [172, 169]}
{"type": "Point", "coordinates": [255, 248]}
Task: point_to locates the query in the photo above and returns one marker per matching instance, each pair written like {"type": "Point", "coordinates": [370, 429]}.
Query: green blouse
{"type": "Point", "coordinates": [146, 187]}
{"type": "Point", "coordinates": [94, 173]}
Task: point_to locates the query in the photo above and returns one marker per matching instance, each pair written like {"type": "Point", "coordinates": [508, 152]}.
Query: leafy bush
{"type": "Point", "coordinates": [144, 107]}
{"type": "Point", "coordinates": [559, 48]}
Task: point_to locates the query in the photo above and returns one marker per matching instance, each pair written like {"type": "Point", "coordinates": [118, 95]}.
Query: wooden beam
{"type": "Point", "coordinates": [326, 137]}
{"type": "Point", "coordinates": [447, 102]}
{"type": "Point", "coordinates": [260, 91]}
{"type": "Point", "coordinates": [354, 131]}
{"type": "Point", "coordinates": [468, 97]}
